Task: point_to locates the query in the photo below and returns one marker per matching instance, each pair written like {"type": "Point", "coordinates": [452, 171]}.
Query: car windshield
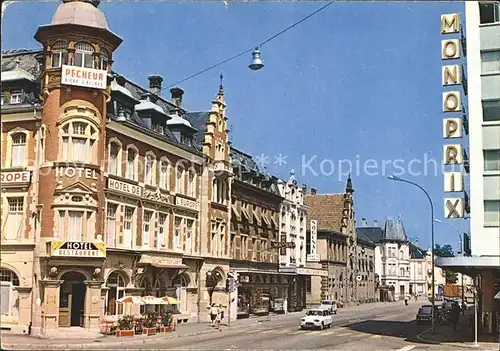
{"type": "Point", "coordinates": [426, 310]}
{"type": "Point", "coordinates": [326, 302]}
{"type": "Point", "coordinates": [315, 313]}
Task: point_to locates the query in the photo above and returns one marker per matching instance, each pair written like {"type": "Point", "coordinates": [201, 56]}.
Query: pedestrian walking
{"type": "Point", "coordinates": [406, 300]}
{"type": "Point", "coordinates": [214, 312]}
{"type": "Point", "coordinates": [455, 315]}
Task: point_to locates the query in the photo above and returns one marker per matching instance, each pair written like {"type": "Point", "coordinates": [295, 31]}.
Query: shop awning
{"type": "Point", "coordinates": [256, 217]}
{"type": "Point", "coordinates": [266, 220]}
{"type": "Point", "coordinates": [273, 219]}
{"type": "Point", "coordinates": [469, 265]}
{"type": "Point", "coordinates": [171, 266]}
{"type": "Point", "coordinates": [245, 213]}
{"type": "Point", "coordinates": [236, 212]}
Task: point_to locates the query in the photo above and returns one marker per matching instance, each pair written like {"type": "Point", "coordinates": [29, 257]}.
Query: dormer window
{"type": "Point", "coordinates": [59, 54]}
{"type": "Point", "coordinates": [84, 55]}
{"type": "Point", "coordinates": [16, 97]}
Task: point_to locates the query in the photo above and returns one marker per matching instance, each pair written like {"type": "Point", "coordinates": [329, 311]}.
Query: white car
{"type": "Point", "coordinates": [317, 318]}
{"type": "Point", "coordinates": [329, 304]}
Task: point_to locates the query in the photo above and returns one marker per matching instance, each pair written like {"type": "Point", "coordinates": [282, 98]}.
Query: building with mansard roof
{"type": "Point", "coordinates": [111, 189]}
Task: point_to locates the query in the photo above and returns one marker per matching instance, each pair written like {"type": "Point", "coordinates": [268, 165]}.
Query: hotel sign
{"type": "Point", "coordinates": [84, 77]}
{"type": "Point", "coordinates": [126, 188]}
{"type": "Point", "coordinates": [77, 249]}
{"type": "Point", "coordinates": [193, 205]}
{"type": "Point", "coordinates": [312, 271]}
{"type": "Point", "coordinates": [14, 178]}
{"type": "Point", "coordinates": [313, 243]}
{"type": "Point", "coordinates": [79, 172]}
{"type": "Point", "coordinates": [452, 75]}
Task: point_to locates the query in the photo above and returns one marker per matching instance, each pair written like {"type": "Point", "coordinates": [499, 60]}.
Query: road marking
{"type": "Point", "coordinates": [298, 332]}
{"type": "Point", "coordinates": [407, 348]}
{"type": "Point", "coordinates": [375, 336]}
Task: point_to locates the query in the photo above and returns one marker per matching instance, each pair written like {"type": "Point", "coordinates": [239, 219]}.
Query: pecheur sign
{"type": "Point", "coordinates": [84, 77]}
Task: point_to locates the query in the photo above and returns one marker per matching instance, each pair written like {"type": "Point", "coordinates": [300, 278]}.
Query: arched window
{"type": "Point", "coordinates": [116, 284]}
{"type": "Point", "coordinates": [84, 55]}
{"type": "Point", "coordinates": [150, 167]}
{"type": "Point", "coordinates": [59, 54]}
{"type": "Point", "coordinates": [18, 150]}
{"type": "Point", "coordinates": [79, 142]}
{"type": "Point", "coordinates": [180, 180]}
{"type": "Point", "coordinates": [114, 158]}
{"type": "Point", "coordinates": [8, 295]}
{"type": "Point", "coordinates": [164, 172]}
{"type": "Point", "coordinates": [132, 156]}
{"type": "Point", "coordinates": [192, 183]}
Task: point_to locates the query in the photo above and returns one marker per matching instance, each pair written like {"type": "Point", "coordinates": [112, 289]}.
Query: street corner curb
{"type": "Point", "coordinates": [98, 344]}
{"type": "Point", "coordinates": [421, 338]}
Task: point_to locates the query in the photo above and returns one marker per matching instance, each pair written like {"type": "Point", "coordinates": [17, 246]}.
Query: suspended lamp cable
{"type": "Point", "coordinates": [250, 50]}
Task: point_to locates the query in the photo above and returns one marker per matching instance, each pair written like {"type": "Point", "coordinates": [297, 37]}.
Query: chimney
{"type": "Point", "coordinates": [363, 222]}
{"type": "Point", "coordinates": [155, 81]}
{"type": "Point", "coordinates": [313, 191]}
{"type": "Point", "coordinates": [304, 189]}
{"type": "Point", "coordinates": [177, 96]}
{"type": "Point", "coordinates": [375, 223]}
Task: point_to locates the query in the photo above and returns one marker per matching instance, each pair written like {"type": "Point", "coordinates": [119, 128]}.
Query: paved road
{"type": "Point", "coordinates": [391, 328]}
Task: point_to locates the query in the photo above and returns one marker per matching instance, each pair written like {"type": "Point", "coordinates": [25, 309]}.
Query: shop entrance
{"type": "Point", "coordinates": [72, 300]}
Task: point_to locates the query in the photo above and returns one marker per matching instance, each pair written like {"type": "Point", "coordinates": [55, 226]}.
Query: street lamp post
{"type": "Point", "coordinates": [460, 242]}
{"type": "Point", "coordinates": [392, 177]}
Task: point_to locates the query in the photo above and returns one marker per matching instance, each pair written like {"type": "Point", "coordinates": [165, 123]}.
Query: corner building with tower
{"type": "Point", "coordinates": [111, 190]}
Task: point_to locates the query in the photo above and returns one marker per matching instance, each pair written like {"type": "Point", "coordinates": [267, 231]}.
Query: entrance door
{"type": "Point", "coordinates": [77, 304]}
{"type": "Point", "coordinates": [72, 300]}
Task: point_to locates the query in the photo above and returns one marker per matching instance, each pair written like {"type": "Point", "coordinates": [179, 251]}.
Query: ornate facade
{"type": "Point", "coordinates": [110, 189]}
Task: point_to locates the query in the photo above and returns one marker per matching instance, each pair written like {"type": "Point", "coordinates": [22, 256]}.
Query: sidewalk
{"type": "Point", "coordinates": [463, 337]}
{"type": "Point", "coordinates": [24, 342]}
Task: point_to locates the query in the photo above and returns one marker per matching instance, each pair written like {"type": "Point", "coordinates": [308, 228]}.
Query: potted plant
{"type": "Point", "coordinates": [166, 322]}
{"type": "Point", "coordinates": [150, 323]}
{"type": "Point", "coordinates": [125, 326]}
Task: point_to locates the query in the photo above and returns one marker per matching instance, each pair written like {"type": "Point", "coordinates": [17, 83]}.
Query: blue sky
{"type": "Point", "coordinates": [358, 81]}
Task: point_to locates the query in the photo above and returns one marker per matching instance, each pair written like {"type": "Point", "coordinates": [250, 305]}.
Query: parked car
{"type": "Point", "coordinates": [317, 318]}
{"type": "Point", "coordinates": [329, 304]}
{"type": "Point", "coordinates": [424, 314]}
{"type": "Point", "coordinates": [277, 305]}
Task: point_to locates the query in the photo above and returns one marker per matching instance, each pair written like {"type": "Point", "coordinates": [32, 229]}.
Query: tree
{"type": "Point", "coordinates": [446, 251]}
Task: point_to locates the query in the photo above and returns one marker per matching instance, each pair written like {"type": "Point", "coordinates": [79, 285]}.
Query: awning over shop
{"type": "Point", "coordinates": [266, 220]}
{"type": "Point", "coordinates": [236, 213]}
{"type": "Point", "coordinates": [245, 213]}
{"type": "Point", "coordinates": [256, 217]}
{"type": "Point", "coordinates": [469, 265]}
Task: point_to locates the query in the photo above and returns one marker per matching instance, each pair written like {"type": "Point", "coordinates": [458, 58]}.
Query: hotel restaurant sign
{"type": "Point", "coordinates": [84, 77]}
{"type": "Point", "coordinates": [77, 249]}
{"type": "Point", "coordinates": [454, 124]}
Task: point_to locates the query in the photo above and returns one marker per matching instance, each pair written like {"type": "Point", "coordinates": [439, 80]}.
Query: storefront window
{"type": "Point", "coordinates": [116, 285]}
{"type": "Point", "coordinates": [8, 296]}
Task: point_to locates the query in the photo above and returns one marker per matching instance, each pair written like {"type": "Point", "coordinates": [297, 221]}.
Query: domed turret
{"type": "Point", "coordinates": [80, 12]}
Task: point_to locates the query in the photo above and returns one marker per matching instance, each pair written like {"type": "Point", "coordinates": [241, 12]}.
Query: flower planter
{"type": "Point", "coordinates": [165, 329]}
{"type": "Point", "coordinates": [120, 333]}
{"type": "Point", "coordinates": [149, 331]}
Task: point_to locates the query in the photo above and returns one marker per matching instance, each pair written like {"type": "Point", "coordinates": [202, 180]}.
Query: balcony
{"type": "Point", "coordinates": [222, 168]}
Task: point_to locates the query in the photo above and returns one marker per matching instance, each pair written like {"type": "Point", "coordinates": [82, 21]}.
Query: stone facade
{"type": "Point", "coordinates": [349, 260]}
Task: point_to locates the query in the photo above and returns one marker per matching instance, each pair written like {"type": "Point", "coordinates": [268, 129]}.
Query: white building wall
{"type": "Point", "coordinates": [484, 240]}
